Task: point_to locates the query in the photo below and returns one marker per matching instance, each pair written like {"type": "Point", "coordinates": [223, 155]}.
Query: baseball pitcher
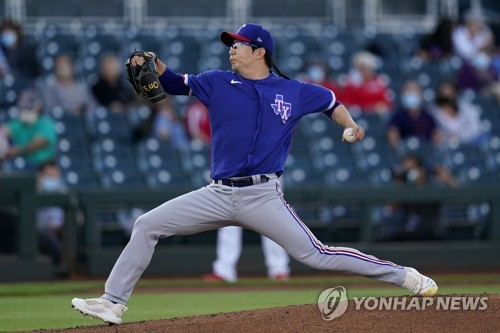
{"type": "Point", "coordinates": [252, 114]}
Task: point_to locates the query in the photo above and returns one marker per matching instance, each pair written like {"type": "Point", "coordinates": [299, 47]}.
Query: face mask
{"type": "Point", "coordinates": [28, 116]}
{"type": "Point", "coordinates": [316, 74]}
{"type": "Point", "coordinates": [410, 100]}
{"type": "Point", "coordinates": [412, 175]}
{"type": "Point", "coordinates": [9, 38]}
{"type": "Point", "coordinates": [50, 184]}
{"type": "Point", "coordinates": [481, 61]}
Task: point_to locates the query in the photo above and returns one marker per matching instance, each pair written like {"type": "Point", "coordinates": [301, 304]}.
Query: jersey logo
{"type": "Point", "coordinates": [282, 108]}
{"type": "Point", "coordinates": [234, 81]}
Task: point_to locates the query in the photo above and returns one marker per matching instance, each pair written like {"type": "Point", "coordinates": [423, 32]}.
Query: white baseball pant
{"type": "Point", "coordinates": [260, 208]}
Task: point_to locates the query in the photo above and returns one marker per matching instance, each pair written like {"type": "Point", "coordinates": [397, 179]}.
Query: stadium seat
{"type": "Point", "coordinates": [343, 175]}
{"type": "Point", "coordinates": [82, 180]}
{"type": "Point", "coordinates": [102, 123]}
{"type": "Point", "coordinates": [117, 178]}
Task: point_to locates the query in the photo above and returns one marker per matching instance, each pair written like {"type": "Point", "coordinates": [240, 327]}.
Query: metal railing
{"type": "Point", "coordinates": [375, 15]}
{"type": "Point", "coordinates": [20, 192]}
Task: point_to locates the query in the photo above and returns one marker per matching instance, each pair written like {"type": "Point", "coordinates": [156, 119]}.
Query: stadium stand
{"type": "Point", "coordinates": [96, 149]}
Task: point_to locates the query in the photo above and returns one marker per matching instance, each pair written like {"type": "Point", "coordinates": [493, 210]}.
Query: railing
{"type": "Point", "coordinates": [19, 190]}
{"type": "Point", "coordinates": [377, 15]}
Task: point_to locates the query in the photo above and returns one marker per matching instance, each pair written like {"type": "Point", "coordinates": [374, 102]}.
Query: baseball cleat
{"type": "Point", "coordinates": [213, 277]}
{"type": "Point", "coordinates": [100, 308]}
{"type": "Point", "coordinates": [418, 283]}
{"type": "Point", "coordinates": [280, 277]}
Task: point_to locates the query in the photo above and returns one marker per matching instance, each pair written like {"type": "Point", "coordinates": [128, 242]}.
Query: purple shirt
{"type": "Point", "coordinates": [422, 127]}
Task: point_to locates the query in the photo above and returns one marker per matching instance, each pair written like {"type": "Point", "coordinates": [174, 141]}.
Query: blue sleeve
{"type": "Point", "coordinates": [201, 85]}
{"type": "Point", "coordinates": [173, 83]}
{"type": "Point", "coordinates": [315, 98]}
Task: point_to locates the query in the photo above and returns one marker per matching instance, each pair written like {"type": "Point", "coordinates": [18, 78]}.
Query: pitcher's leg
{"type": "Point", "coordinates": [193, 212]}
{"type": "Point", "coordinates": [229, 241]}
{"type": "Point", "coordinates": [276, 257]}
{"type": "Point", "coordinates": [271, 216]}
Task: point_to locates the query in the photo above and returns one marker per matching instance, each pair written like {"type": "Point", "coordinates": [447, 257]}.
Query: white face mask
{"type": "Point", "coordinates": [28, 116]}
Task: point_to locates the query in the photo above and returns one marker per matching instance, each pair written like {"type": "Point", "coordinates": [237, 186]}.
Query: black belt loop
{"type": "Point", "coordinates": [240, 182]}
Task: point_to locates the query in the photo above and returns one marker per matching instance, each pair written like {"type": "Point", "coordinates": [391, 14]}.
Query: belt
{"type": "Point", "coordinates": [242, 181]}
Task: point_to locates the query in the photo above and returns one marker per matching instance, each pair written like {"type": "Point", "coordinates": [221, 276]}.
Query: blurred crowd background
{"type": "Point", "coordinates": [422, 77]}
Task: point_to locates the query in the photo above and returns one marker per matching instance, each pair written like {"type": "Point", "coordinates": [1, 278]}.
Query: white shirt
{"type": "Point", "coordinates": [465, 126]}
{"type": "Point", "coordinates": [467, 46]}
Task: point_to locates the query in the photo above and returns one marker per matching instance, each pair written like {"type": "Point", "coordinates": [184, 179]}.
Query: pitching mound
{"type": "Point", "coordinates": [307, 318]}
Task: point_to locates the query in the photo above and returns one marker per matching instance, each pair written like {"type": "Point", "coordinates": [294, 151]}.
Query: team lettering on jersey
{"type": "Point", "coordinates": [282, 108]}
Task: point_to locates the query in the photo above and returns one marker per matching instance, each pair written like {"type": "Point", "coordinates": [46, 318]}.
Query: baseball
{"type": "Point", "coordinates": [348, 134]}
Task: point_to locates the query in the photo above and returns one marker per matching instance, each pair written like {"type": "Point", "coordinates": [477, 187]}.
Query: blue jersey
{"type": "Point", "coordinates": [252, 120]}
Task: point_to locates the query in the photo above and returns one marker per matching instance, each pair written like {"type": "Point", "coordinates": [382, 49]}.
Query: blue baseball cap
{"type": "Point", "coordinates": [251, 33]}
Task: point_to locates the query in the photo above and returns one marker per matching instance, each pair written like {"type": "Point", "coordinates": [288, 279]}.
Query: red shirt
{"type": "Point", "coordinates": [197, 121]}
{"type": "Point", "coordinates": [366, 94]}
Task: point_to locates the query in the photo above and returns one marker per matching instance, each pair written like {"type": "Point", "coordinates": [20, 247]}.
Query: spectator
{"type": "Point", "coordinates": [480, 75]}
{"type": "Point", "coordinates": [164, 124]}
{"type": "Point", "coordinates": [457, 120]}
{"type": "Point", "coordinates": [317, 72]}
{"type": "Point", "coordinates": [412, 118]}
{"type": "Point", "coordinates": [472, 37]}
{"type": "Point", "coordinates": [418, 221]}
{"type": "Point", "coordinates": [197, 122]}
{"type": "Point", "coordinates": [438, 44]}
{"type": "Point", "coordinates": [363, 87]}
{"type": "Point", "coordinates": [16, 57]}
{"type": "Point", "coordinates": [110, 90]}
{"type": "Point", "coordinates": [66, 92]}
{"type": "Point", "coordinates": [167, 125]}
{"type": "Point", "coordinates": [33, 135]}
{"type": "Point", "coordinates": [50, 220]}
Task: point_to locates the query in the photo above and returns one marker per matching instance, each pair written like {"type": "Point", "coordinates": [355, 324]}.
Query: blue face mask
{"type": "Point", "coordinates": [410, 100]}
{"type": "Point", "coordinates": [9, 38]}
{"type": "Point", "coordinates": [50, 184]}
{"type": "Point", "coordinates": [316, 74]}
{"type": "Point", "coordinates": [481, 61]}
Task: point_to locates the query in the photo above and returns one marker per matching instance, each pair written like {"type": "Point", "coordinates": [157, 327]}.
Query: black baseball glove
{"type": "Point", "coordinates": [144, 78]}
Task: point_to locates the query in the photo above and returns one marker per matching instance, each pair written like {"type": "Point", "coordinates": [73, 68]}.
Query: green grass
{"type": "Point", "coordinates": [29, 306]}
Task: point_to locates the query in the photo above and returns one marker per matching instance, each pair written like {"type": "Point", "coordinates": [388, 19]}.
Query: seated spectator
{"type": "Point", "coordinates": [197, 122]}
{"type": "Point", "coordinates": [110, 90]}
{"type": "Point", "coordinates": [32, 134]}
{"type": "Point", "coordinates": [317, 72]}
{"type": "Point", "coordinates": [457, 120]}
{"type": "Point", "coordinates": [50, 220]}
{"type": "Point", "coordinates": [66, 92]}
{"type": "Point", "coordinates": [438, 44]}
{"type": "Point", "coordinates": [16, 57]}
{"type": "Point", "coordinates": [480, 75]}
{"type": "Point", "coordinates": [418, 221]}
{"type": "Point", "coordinates": [164, 124]}
{"type": "Point", "coordinates": [363, 87]}
{"type": "Point", "coordinates": [167, 125]}
{"type": "Point", "coordinates": [472, 37]}
{"type": "Point", "coordinates": [412, 118]}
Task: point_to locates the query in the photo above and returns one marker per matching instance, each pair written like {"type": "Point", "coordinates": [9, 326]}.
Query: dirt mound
{"type": "Point", "coordinates": [307, 318]}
